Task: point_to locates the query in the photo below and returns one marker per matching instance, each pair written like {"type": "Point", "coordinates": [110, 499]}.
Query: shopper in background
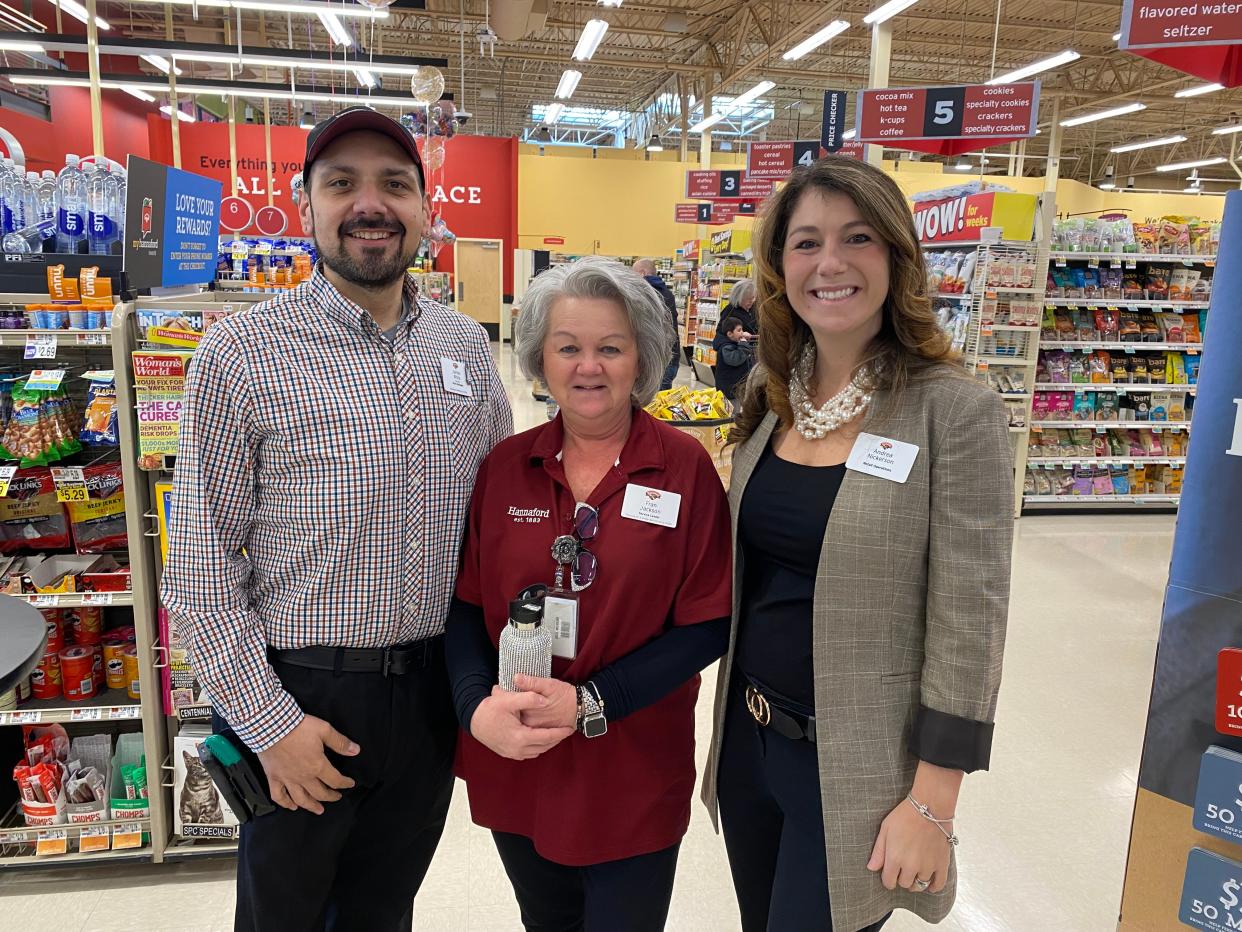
{"type": "Point", "coordinates": [585, 779]}
{"type": "Point", "coordinates": [329, 443]}
{"type": "Point", "coordinates": [647, 269]}
{"type": "Point", "coordinates": [735, 356]}
{"type": "Point", "coordinates": [866, 656]}
{"type": "Point", "coordinates": [742, 306]}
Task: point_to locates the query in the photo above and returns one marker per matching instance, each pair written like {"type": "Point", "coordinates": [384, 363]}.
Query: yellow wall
{"type": "Point", "coordinates": [619, 202]}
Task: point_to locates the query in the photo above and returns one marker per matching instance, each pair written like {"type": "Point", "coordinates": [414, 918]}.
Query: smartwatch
{"type": "Point", "coordinates": [591, 720]}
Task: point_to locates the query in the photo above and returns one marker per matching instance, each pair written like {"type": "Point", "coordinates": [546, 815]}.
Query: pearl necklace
{"type": "Point", "coordinates": [816, 423]}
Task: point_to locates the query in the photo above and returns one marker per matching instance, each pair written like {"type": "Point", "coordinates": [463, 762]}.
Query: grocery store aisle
{"type": "Point", "coordinates": [1044, 834]}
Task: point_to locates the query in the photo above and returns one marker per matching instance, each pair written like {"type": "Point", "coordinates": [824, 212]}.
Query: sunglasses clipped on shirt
{"type": "Point", "coordinates": [569, 550]}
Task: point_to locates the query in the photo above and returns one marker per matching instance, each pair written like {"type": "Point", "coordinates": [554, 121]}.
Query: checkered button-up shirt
{"type": "Point", "coordinates": [323, 479]}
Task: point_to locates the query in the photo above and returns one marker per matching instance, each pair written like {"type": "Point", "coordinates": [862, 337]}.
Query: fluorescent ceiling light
{"type": "Point", "coordinates": [655, 145]}
{"type": "Point", "coordinates": [1226, 130]}
{"type": "Point", "coordinates": [754, 93]}
{"type": "Point", "coordinates": [552, 114]}
{"type": "Point", "coordinates": [888, 11]}
{"type": "Point", "coordinates": [261, 59]}
{"type": "Point", "coordinates": [835, 28]}
{"type": "Point", "coordinates": [1045, 64]}
{"type": "Point", "coordinates": [219, 58]}
{"type": "Point", "coordinates": [613, 3]}
{"type": "Point", "coordinates": [1148, 144]}
{"type": "Point", "coordinates": [707, 123]}
{"type": "Point", "coordinates": [160, 62]}
{"type": "Point", "coordinates": [592, 36]}
{"type": "Point", "coordinates": [141, 95]}
{"type": "Point", "coordinates": [1104, 114]}
{"type": "Point", "coordinates": [1198, 163]}
{"type": "Point", "coordinates": [1116, 37]}
{"type": "Point", "coordinates": [1107, 185]}
{"type": "Point", "coordinates": [167, 110]}
{"type": "Point", "coordinates": [1201, 89]}
{"type": "Point", "coordinates": [849, 134]}
{"type": "Point", "coordinates": [340, 35]}
{"type": "Point", "coordinates": [32, 47]}
{"type": "Point", "coordinates": [305, 7]}
{"type": "Point", "coordinates": [228, 90]}
{"type": "Point", "coordinates": [569, 83]}
{"type": "Point", "coordinates": [77, 11]}
{"type": "Point", "coordinates": [365, 78]}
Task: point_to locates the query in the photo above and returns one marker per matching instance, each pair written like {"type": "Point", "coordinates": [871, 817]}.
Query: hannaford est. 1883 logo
{"type": "Point", "coordinates": [528, 515]}
{"type": "Point", "coordinates": [652, 494]}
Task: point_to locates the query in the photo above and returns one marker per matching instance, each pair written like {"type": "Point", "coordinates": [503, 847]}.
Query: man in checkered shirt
{"type": "Point", "coordinates": [329, 444]}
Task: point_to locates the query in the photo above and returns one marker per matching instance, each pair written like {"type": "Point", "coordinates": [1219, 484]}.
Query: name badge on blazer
{"type": "Point", "coordinates": [882, 457]}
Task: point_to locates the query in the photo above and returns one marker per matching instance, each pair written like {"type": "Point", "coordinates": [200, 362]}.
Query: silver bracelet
{"type": "Point", "coordinates": [926, 813]}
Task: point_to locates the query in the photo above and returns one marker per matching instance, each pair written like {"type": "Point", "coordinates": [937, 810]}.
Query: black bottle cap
{"type": "Point", "coordinates": [525, 612]}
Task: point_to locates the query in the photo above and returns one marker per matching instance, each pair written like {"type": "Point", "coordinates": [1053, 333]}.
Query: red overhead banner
{"type": "Point", "coordinates": [686, 213]}
{"type": "Point", "coordinates": [727, 184]}
{"type": "Point", "coordinates": [1200, 39]}
{"type": "Point", "coordinates": [775, 161]}
{"type": "Point", "coordinates": [948, 120]}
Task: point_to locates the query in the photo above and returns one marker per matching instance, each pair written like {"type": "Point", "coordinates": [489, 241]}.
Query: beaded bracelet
{"type": "Point", "coordinates": [926, 813]}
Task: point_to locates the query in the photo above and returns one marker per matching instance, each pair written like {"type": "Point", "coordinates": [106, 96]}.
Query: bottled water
{"type": "Point", "coordinates": [45, 196]}
{"type": "Point", "coordinates": [70, 206]}
{"type": "Point", "coordinates": [9, 195]}
{"type": "Point", "coordinates": [31, 238]}
{"type": "Point", "coordinates": [101, 190]}
{"type": "Point", "coordinates": [121, 192]}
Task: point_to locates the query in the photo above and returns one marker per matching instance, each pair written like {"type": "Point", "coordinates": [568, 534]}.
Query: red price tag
{"type": "Point", "coordinates": [1229, 691]}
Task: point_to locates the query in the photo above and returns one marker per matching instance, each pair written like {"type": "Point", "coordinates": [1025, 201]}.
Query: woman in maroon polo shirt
{"type": "Point", "coordinates": [585, 779]}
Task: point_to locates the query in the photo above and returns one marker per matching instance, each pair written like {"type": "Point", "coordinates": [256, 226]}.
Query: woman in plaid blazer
{"type": "Point", "coordinates": [872, 503]}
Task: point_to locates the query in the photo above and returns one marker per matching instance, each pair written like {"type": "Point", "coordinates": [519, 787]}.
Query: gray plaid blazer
{"type": "Point", "coordinates": [911, 600]}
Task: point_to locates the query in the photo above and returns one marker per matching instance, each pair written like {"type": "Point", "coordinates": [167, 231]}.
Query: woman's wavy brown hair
{"type": "Point", "coordinates": [910, 345]}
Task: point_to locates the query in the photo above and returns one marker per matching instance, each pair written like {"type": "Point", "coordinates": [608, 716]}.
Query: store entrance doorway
{"type": "Point", "coordinates": [478, 265]}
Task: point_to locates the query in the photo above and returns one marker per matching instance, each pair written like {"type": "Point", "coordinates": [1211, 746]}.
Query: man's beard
{"type": "Point", "coordinates": [372, 271]}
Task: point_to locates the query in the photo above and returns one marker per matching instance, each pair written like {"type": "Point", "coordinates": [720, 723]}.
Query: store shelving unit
{"type": "Point", "coordinates": [1131, 262]}
{"type": "Point", "coordinates": [717, 276]}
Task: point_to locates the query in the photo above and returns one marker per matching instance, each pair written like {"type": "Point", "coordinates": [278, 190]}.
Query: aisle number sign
{"type": "Point", "coordinates": [893, 115]}
{"type": "Point", "coordinates": [776, 161]}
{"type": "Point", "coordinates": [703, 185]}
{"type": "Point", "coordinates": [1154, 24]}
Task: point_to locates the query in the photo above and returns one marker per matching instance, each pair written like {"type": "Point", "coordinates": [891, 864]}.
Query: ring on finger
{"type": "Point", "coordinates": [921, 885]}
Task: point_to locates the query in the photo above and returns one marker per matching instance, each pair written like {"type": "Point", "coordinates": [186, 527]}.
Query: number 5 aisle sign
{"type": "Point", "coordinates": [948, 120]}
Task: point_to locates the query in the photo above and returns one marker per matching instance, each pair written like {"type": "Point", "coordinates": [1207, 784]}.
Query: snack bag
{"type": "Point", "coordinates": [1101, 481]}
{"type": "Point", "coordinates": [1148, 328]}
{"type": "Point", "coordinates": [1078, 369]}
{"type": "Point", "coordinates": [1160, 406]}
{"type": "Point", "coordinates": [1190, 328]}
{"type": "Point", "coordinates": [1106, 407]}
{"type": "Point", "coordinates": [1041, 407]}
{"type": "Point", "coordinates": [99, 522]}
{"type": "Point", "coordinates": [62, 289]}
{"type": "Point", "coordinates": [1084, 406]}
{"type": "Point", "coordinates": [99, 427]}
{"type": "Point", "coordinates": [1121, 480]}
{"type": "Point", "coordinates": [1176, 368]}
{"type": "Point", "coordinates": [30, 516]}
{"type": "Point", "coordinates": [1131, 330]}
{"type": "Point", "coordinates": [1171, 328]}
{"type": "Point", "coordinates": [1063, 406]}
{"type": "Point", "coordinates": [1100, 366]}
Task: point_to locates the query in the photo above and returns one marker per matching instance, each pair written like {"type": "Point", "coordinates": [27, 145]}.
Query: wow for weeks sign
{"type": "Point", "coordinates": [962, 219]}
{"type": "Point", "coordinates": [172, 221]}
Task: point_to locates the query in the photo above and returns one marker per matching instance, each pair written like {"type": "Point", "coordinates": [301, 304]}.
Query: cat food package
{"type": "Point", "coordinates": [199, 811]}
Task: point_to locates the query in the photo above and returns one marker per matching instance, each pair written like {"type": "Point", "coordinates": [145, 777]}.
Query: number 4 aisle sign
{"type": "Point", "coordinates": [775, 161]}
{"type": "Point", "coordinates": [948, 120]}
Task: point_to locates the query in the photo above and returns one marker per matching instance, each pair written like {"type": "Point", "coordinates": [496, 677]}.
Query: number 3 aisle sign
{"type": "Point", "coordinates": [948, 120]}
{"type": "Point", "coordinates": [704, 185]}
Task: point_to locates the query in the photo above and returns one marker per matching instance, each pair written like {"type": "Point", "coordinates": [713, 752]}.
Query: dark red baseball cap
{"type": "Point", "coordinates": [352, 120]}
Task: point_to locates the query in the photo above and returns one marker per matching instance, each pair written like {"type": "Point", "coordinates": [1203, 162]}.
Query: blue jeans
{"type": "Point", "coordinates": [670, 373]}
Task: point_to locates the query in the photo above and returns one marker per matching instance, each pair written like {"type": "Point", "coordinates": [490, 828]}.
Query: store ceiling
{"type": "Point", "coordinates": [729, 45]}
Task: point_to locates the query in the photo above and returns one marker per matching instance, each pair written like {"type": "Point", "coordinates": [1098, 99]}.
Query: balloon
{"type": "Point", "coordinates": [433, 153]}
{"type": "Point", "coordinates": [295, 188]}
{"type": "Point", "coordinates": [445, 118]}
{"type": "Point", "coordinates": [426, 85]}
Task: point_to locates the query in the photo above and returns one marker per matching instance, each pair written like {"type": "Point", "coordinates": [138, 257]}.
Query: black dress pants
{"type": "Point", "coordinates": [773, 824]}
{"type": "Point", "coordinates": [629, 895]}
{"type": "Point", "coordinates": [359, 865]}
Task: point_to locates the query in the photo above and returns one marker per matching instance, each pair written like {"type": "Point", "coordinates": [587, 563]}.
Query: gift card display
{"type": "Point", "coordinates": [1211, 892]}
{"type": "Point", "coordinates": [1218, 798]}
{"type": "Point", "coordinates": [1229, 691]}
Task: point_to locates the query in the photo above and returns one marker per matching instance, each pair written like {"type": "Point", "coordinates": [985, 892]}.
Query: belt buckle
{"type": "Point", "coordinates": [386, 661]}
{"type": "Point", "coordinates": [757, 703]}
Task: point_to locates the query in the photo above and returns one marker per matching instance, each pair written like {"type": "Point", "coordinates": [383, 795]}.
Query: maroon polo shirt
{"type": "Point", "coordinates": [590, 800]}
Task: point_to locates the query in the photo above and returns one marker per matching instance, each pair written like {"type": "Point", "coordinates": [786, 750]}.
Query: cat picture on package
{"type": "Point", "coordinates": [200, 801]}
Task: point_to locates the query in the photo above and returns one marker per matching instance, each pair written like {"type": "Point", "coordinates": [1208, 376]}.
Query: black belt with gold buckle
{"type": "Point", "coordinates": [789, 725]}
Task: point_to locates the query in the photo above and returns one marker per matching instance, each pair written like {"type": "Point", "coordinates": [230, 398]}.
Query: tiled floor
{"type": "Point", "coordinates": [1044, 833]}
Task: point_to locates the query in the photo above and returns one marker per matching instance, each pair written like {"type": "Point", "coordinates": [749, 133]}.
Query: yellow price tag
{"type": "Point", "coordinates": [94, 838]}
{"type": "Point", "coordinates": [125, 836]}
{"type": "Point", "coordinates": [52, 841]}
{"type": "Point", "coordinates": [6, 477]}
{"type": "Point", "coordinates": [71, 493]}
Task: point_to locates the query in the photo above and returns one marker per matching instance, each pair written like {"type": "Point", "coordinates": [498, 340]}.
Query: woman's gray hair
{"type": "Point", "coordinates": [741, 291]}
{"type": "Point", "coordinates": [597, 277]}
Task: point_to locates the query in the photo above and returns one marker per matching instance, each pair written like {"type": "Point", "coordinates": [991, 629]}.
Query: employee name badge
{"type": "Point", "coordinates": [454, 373]}
{"type": "Point", "coordinates": [651, 506]}
{"type": "Point", "coordinates": [560, 618]}
{"type": "Point", "coordinates": [882, 457]}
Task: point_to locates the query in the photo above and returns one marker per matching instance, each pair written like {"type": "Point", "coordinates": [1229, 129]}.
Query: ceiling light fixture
{"type": "Point", "coordinates": [1116, 37]}
{"type": "Point", "coordinates": [655, 145]}
{"type": "Point", "coordinates": [304, 7]}
{"type": "Point", "coordinates": [141, 95]}
{"type": "Point", "coordinates": [29, 47]}
{"type": "Point", "coordinates": [592, 35]}
{"type": "Point", "coordinates": [1108, 183]}
{"type": "Point", "coordinates": [1045, 64]}
{"type": "Point", "coordinates": [1198, 163]}
{"type": "Point", "coordinates": [568, 84]}
{"type": "Point", "coordinates": [835, 28]}
{"type": "Point", "coordinates": [77, 11]}
{"type": "Point", "coordinates": [340, 35]}
{"type": "Point", "coordinates": [1226, 130]}
{"type": "Point", "coordinates": [1201, 89]}
{"type": "Point", "coordinates": [887, 11]}
{"type": "Point", "coordinates": [749, 96]}
{"type": "Point", "coordinates": [1148, 144]}
{"type": "Point", "coordinates": [707, 123]}
{"type": "Point", "coordinates": [184, 117]}
{"type": "Point", "coordinates": [552, 114]}
{"type": "Point", "coordinates": [962, 165]}
{"type": "Point", "coordinates": [308, 120]}
{"type": "Point", "coordinates": [612, 3]}
{"type": "Point", "coordinates": [160, 62]}
{"type": "Point", "coordinates": [1104, 114]}
{"type": "Point", "coordinates": [849, 134]}
{"type": "Point", "coordinates": [365, 78]}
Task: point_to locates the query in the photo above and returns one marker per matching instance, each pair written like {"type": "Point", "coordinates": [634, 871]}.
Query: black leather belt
{"type": "Point", "coordinates": [386, 661]}
{"type": "Point", "coordinates": [769, 714]}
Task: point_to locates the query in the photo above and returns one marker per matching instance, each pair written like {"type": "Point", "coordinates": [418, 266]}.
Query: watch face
{"type": "Point", "coordinates": [594, 727]}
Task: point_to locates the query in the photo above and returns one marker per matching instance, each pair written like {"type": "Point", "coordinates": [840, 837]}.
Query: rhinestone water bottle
{"type": "Point", "coordinates": [525, 645]}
